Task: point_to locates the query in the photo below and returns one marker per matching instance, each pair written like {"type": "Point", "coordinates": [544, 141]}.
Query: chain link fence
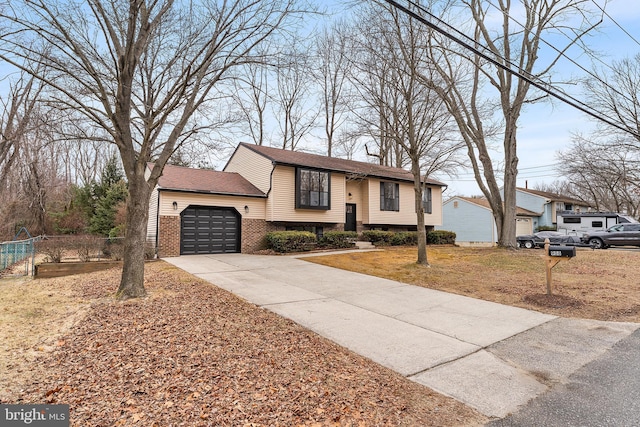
{"type": "Point", "coordinates": [18, 256]}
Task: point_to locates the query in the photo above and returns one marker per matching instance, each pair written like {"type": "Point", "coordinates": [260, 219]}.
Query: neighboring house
{"type": "Point", "coordinates": [265, 189]}
{"type": "Point", "coordinates": [549, 204]}
{"type": "Point", "coordinates": [471, 218]}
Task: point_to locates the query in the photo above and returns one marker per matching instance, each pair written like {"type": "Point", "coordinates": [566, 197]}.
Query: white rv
{"type": "Point", "coordinates": [579, 223]}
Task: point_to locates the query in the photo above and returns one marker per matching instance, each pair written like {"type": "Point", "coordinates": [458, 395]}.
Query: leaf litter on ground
{"type": "Point", "coordinates": [193, 354]}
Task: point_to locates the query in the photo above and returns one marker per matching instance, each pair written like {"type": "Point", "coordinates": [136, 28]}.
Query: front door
{"type": "Point", "coordinates": [350, 220]}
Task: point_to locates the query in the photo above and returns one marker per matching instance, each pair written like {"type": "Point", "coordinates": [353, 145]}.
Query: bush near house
{"type": "Point", "coordinates": [291, 241]}
{"type": "Point", "coordinates": [406, 238]}
{"type": "Point", "coordinates": [378, 237]}
{"type": "Point", "coordinates": [441, 237]}
{"type": "Point", "coordinates": [338, 239]}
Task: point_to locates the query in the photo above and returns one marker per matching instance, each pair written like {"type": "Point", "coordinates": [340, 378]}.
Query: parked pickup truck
{"type": "Point", "coordinates": [617, 235]}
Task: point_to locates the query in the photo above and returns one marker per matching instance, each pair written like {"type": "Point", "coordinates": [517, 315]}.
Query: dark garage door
{"type": "Point", "coordinates": [206, 230]}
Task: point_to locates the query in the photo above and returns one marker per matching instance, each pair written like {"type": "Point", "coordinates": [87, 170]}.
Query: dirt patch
{"type": "Point", "coordinates": [553, 301]}
{"type": "Point", "coordinates": [193, 354]}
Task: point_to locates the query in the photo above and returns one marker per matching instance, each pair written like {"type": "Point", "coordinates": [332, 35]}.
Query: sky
{"type": "Point", "coordinates": [543, 128]}
{"type": "Point", "coordinates": [546, 128]}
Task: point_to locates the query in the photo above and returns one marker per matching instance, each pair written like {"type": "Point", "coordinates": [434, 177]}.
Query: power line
{"type": "Point", "coordinates": [579, 105]}
{"type": "Point", "coordinates": [564, 55]}
{"type": "Point", "coordinates": [615, 22]}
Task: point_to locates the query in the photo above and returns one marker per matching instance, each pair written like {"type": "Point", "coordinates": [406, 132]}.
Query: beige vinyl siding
{"type": "Point", "coordinates": [366, 210]}
{"type": "Point", "coordinates": [281, 203]}
{"type": "Point", "coordinates": [435, 217]}
{"type": "Point", "coordinates": [152, 221]}
{"type": "Point", "coordinates": [256, 205]}
{"type": "Point", "coordinates": [407, 213]}
{"type": "Point", "coordinates": [254, 167]}
{"type": "Point", "coordinates": [355, 188]}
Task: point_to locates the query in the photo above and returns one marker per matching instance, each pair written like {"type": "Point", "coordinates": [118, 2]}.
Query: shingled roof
{"type": "Point", "coordinates": [553, 196]}
{"type": "Point", "coordinates": [481, 201]}
{"type": "Point", "coordinates": [180, 178]}
{"type": "Point", "coordinates": [298, 158]}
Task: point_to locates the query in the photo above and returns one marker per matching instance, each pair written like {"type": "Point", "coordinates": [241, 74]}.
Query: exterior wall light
{"type": "Point", "coordinates": [175, 206]}
{"type": "Point", "coordinates": [246, 209]}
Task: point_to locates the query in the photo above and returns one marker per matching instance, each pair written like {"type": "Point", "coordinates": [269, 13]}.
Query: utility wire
{"type": "Point", "coordinates": [574, 103]}
{"type": "Point", "coordinates": [590, 111]}
{"type": "Point", "coordinates": [615, 22]}
{"type": "Point", "coordinates": [564, 55]}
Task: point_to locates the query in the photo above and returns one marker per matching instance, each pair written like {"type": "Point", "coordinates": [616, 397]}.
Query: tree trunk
{"type": "Point", "coordinates": [422, 232]}
{"type": "Point", "coordinates": [507, 236]}
{"type": "Point", "coordinates": [132, 281]}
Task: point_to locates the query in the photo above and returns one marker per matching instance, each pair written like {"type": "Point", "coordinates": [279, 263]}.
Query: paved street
{"type": "Point", "coordinates": [605, 392]}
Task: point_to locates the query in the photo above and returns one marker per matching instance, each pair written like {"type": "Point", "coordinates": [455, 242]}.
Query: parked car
{"type": "Point", "coordinates": [536, 240]}
{"type": "Point", "coordinates": [617, 235]}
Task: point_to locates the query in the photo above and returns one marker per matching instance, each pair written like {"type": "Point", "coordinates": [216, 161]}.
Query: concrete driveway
{"type": "Point", "coordinates": [489, 356]}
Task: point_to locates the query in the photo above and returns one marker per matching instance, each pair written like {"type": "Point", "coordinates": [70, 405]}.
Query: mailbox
{"type": "Point", "coordinates": [562, 251]}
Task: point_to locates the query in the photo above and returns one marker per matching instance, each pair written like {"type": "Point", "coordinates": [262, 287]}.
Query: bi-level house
{"type": "Point", "coordinates": [263, 189]}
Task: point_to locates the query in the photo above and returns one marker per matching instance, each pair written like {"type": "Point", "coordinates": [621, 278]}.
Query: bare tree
{"type": "Point", "coordinates": [370, 78]}
{"type": "Point", "coordinates": [603, 173]}
{"type": "Point", "coordinates": [412, 115]}
{"type": "Point", "coordinates": [18, 117]}
{"type": "Point", "coordinates": [503, 44]}
{"type": "Point", "coordinates": [615, 92]}
{"type": "Point", "coordinates": [143, 71]}
{"type": "Point", "coordinates": [30, 166]}
{"type": "Point", "coordinates": [252, 97]}
{"type": "Point", "coordinates": [296, 115]}
{"type": "Point", "coordinates": [332, 51]}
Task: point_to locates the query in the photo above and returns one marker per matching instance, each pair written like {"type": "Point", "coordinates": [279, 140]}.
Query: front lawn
{"type": "Point", "coordinates": [601, 285]}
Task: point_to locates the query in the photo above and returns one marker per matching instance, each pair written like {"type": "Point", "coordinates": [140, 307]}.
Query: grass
{"type": "Point", "coordinates": [601, 285]}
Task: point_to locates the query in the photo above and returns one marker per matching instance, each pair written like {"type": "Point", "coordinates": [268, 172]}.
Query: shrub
{"type": "Point", "coordinates": [378, 237]}
{"type": "Point", "coordinates": [338, 239]}
{"type": "Point", "coordinates": [114, 249]}
{"type": "Point", "coordinates": [404, 238]}
{"type": "Point", "coordinates": [53, 248]}
{"type": "Point", "coordinates": [291, 241]}
{"type": "Point", "coordinates": [441, 237]}
{"type": "Point", "coordinates": [87, 246]}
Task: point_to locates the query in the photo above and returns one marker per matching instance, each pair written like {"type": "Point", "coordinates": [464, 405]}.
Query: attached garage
{"type": "Point", "coordinates": [209, 230]}
{"type": "Point", "coordinates": [523, 226]}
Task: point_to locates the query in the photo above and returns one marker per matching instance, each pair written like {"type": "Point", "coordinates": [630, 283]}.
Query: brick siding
{"type": "Point", "coordinates": [169, 236]}
{"type": "Point", "coordinates": [253, 234]}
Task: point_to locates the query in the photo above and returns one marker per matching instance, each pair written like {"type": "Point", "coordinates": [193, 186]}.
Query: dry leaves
{"type": "Point", "coordinates": [193, 354]}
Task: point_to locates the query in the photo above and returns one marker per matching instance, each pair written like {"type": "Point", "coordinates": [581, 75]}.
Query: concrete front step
{"type": "Point", "coordinates": [364, 245]}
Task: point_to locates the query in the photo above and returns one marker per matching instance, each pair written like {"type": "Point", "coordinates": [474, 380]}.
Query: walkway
{"type": "Point", "coordinates": [489, 356]}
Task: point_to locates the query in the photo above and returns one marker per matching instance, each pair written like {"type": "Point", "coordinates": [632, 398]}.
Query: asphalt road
{"type": "Point", "coordinates": [605, 392]}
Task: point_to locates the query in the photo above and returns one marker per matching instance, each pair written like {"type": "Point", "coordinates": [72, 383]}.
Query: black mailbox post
{"type": "Point", "coordinates": [562, 251]}
{"type": "Point", "coordinates": [555, 254]}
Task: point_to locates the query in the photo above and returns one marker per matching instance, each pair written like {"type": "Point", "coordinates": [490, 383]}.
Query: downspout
{"type": "Point", "coordinates": [157, 223]}
{"type": "Point", "coordinates": [270, 188]}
